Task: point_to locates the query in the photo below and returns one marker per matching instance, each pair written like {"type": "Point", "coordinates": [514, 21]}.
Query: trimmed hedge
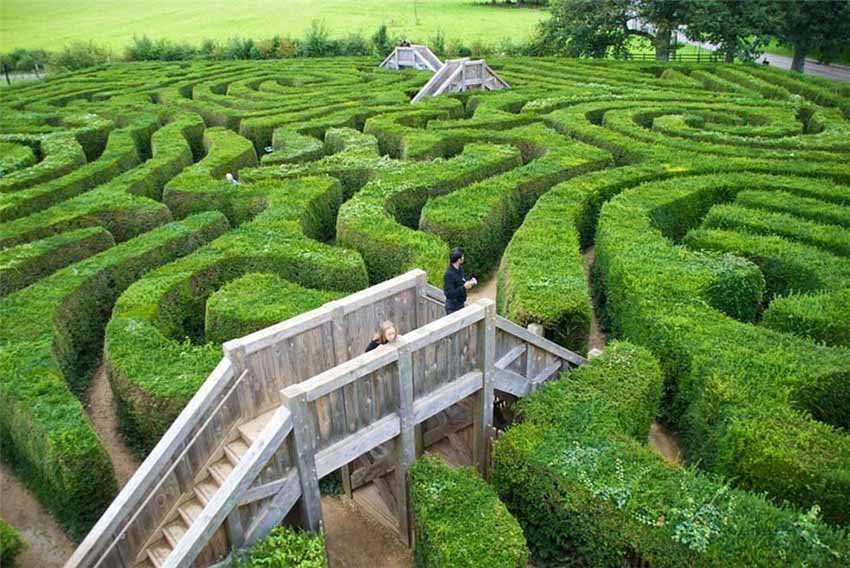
{"type": "Point", "coordinates": [459, 520]}
{"type": "Point", "coordinates": [822, 316]}
{"type": "Point", "coordinates": [742, 397]}
{"type": "Point", "coordinates": [52, 334]}
{"type": "Point", "coordinates": [376, 220]}
{"type": "Point", "coordinates": [588, 491]}
{"type": "Point", "coordinates": [22, 265]}
{"type": "Point", "coordinates": [255, 301]}
{"type": "Point", "coordinates": [285, 547]}
{"type": "Point", "coordinates": [61, 154]}
{"type": "Point", "coordinates": [482, 217]}
{"type": "Point", "coordinates": [292, 147]}
{"type": "Point", "coordinates": [805, 207]}
{"type": "Point", "coordinates": [11, 544]}
{"type": "Point", "coordinates": [15, 157]}
{"type": "Point", "coordinates": [202, 187]}
{"type": "Point", "coordinates": [155, 352]}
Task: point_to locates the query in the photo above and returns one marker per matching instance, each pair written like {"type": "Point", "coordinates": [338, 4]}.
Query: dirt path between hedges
{"type": "Point", "coordinates": [47, 545]}
{"type": "Point", "coordinates": [356, 540]}
{"type": "Point", "coordinates": [103, 412]}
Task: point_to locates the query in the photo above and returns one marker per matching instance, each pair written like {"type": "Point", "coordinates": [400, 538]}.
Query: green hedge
{"type": "Point", "coordinates": [733, 217]}
{"type": "Point", "coordinates": [805, 207]}
{"type": "Point", "coordinates": [122, 152]}
{"type": "Point", "coordinates": [22, 265]}
{"type": "Point", "coordinates": [61, 154]}
{"type": "Point", "coordinates": [15, 157]}
{"type": "Point", "coordinates": [11, 544]}
{"type": "Point", "coordinates": [822, 316]}
{"type": "Point", "coordinates": [459, 520]}
{"type": "Point", "coordinates": [285, 547]}
{"type": "Point", "coordinates": [482, 216]}
{"type": "Point", "coordinates": [577, 473]}
{"type": "Point", "coordinates": [292, 147]}
{"type": "Point", "coordinates": [156, 352]}
{"type": "Point", "coordinates": [742, 397]}
{"type": "Point", "coordinates": [787, 266]}
{"type": "Point", "coordinates": [377, 220]}
{"type": "Point", "coordinates": [255, 301]}
{"type": "Point", "coordinates": [52, 335]}
{"type": "Point", "coordinates": [202, 187]}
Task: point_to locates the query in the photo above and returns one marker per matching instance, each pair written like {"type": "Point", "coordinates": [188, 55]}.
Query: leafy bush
{"type": "Point", "coordinates": [285, 547]}
{"type": "Point", "coordinates": [459, 520]}
{"type": "Point", "coordinates": [579, 477]}
{"type": "Point", "coordinates": [822, 316]}
{"type": "Point", "coordinates": [11, 544]}
{"type": "Point", "coordinates": [80, 55]}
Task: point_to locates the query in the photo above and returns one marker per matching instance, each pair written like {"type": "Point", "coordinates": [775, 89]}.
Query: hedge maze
{"type": "Point", "coordinates": [717, 199]}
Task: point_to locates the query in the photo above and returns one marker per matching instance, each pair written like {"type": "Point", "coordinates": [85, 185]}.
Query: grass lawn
{"type": "Point", "coordinates": [51, 24]}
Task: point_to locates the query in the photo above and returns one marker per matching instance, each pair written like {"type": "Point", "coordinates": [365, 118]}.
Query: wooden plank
{"type": "Point", "coordinates": [508, 358]}
{"type": "Point", "coordinates": [227, 497]}
{"type": "Point", "coordinates": [378, 292]}
{"type": "Point", "coordinates": [446, 396]}
{"type": "Point", "coordinates": [482, 412]}
{"type": "Point", "coordinates": [302, 449]}
{"type": "Point", "coordinates": [105, 533]}
{"type": "Point", "coordinates": [406, 441]}
{"type": "Point", "coordinates": [235, 532]}
{"type": "Point", "coordinates": [540, 342]}
{"type": "Point", "coordinates": [280, 331]}
{"type": "Point", "coordinates": [511, 382]}
{"type": "Point", "coordinates": [445, 326]}
{"type": "Point", "coordinates": [276, 509]}
{"type": "Point", "coordinates": [545, 375]}
{"type": "Point", "coordinates": [376, 469]}
{"type": "Point", "coordinates": [341, 375]}
{"type": "Point", "coordinates": [356, 444]}
{"type": "Point", "coordinates": [259, 492]}
{"type": "Point", "coordinates": [452, 425]}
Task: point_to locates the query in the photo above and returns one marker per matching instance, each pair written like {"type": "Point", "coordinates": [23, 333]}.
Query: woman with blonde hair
{"type": "Point", "coordinates": [387, 333]}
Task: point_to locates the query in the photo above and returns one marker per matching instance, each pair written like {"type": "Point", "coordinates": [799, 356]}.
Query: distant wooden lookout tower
{"type": "Point", "coordinates": [416, 56]}
{"type": "Point", "coordinates": [453, 76]}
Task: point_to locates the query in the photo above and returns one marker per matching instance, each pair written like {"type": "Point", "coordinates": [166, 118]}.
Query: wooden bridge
{"type": "Point", "coordinates": [415, 56]}
{"type": "Point", "coordinates": [294, 402]}
{"type": "Point", "coordinates": [459, 75]}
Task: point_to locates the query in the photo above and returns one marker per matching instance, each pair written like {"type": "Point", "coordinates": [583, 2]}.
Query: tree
{"type": "Point", "coordinates": [808, 26]}
{"type": "Point", "coordinates": [740, 28]}
{"type": "Point", "coordinates": [596, 27]}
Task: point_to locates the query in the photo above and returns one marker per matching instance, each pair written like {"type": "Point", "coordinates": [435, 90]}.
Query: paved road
{"type": "Point", "coordinates": [836, 72]}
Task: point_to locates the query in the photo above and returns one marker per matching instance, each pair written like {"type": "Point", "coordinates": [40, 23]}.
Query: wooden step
{"type": "Point", "coordinates": [235, 450]}
{"type": "Point", "coordinates": [221, 469]}
{"type": "Point", "coordinates": [174, 531]}
{"type": "Point", "coordinates": [205, 489]}
{"type": "Point", "coordinates": [251, 430]}
{"type": "Point", "coordinates": [158, 552]}
{"type": "Point", "coordinates": [145, 563]}
{"type": "Point", "coordinates": [190, 510]}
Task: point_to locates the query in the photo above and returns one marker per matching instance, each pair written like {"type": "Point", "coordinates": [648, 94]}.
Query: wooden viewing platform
{"type": "Point", "coordinates": [415, 56]}
{"type": "Point", "coordinates": [459, 75]}
{"type": "Point", "coordinates": [296, 401]}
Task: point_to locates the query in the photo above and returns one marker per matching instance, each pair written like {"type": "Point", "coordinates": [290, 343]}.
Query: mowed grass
{"type": "Point", "coordinates": [51, 24]}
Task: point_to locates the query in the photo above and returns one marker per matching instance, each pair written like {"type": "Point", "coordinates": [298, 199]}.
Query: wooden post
{"type": "Point", "coordinates": [405, 442]}
{"type": "Point", "coordinates": [421, 320]}
{"type": "Point", "coordinates": [304, 458]}
{"type": "Point", "coordinates": [482, 412]}
{"type": "Point", "coordinates": [341, 356]}
{"type": "Point", "coordinates": [235, 532]}
{"type": "Point", "coordinates": [536, 329]}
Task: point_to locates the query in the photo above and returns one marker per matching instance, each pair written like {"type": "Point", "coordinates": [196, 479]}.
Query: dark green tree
{"type": "Point", "coordinates": [595, 28]}
{"type": "Point", "coordinates": [807, 27]}
{"type": "Point", "coordinates": [740, 28]}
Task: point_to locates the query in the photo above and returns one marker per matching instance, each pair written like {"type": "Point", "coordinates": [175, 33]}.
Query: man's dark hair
{"type": "Point", "coordinates": [455, 254]}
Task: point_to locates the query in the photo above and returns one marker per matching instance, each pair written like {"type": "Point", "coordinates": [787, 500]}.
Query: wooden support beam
{"type": "Point", "coordinates": [511, 382]}
{"type": "Point", "coordinates": [288, 492]}
{"type": "Point", "coordinates": [482, 412]}
{"type": "Point", "coordinates": [235, 532]}
{"type": "Point", "coordinates": [508, 358]}
{"type": "Point", "coordinates": [357, 444]}
{"type": "Point", "coordinates": [341, 355]}
{"type": "Point", "coordinates": [540, 342]}
{"type": "Point", "coordinates": [303, 456]}
{"type": "Point", "coordinates": [447, 395]}
{"type": "Point", "coordinates": [405, 442]}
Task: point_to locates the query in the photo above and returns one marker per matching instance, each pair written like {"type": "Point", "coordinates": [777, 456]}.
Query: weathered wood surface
{"type": "Point", "coordinates": [344, 404]}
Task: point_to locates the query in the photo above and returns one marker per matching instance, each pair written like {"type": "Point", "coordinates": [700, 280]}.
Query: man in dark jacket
{"type": "Point", "coordinates": [455, 283]}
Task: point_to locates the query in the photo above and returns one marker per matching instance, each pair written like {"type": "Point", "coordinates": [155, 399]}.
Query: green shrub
{"type": "Point", "coordinates": [285, 547]}
{"type": "Point", "coordinates": [822, 316]}
{"type": "Point", "coordinates": [580, 478]}
{"type": "Point", "coordinates": [459, 520]}
{"type": "Point", "coordinates": [11, 544]}
{"type": "Point", "coordinates": [255, 301]}
{"type": "Point", "coordinates": [52, 335]}
{"type": "Point", "coordinates": [80, 55]}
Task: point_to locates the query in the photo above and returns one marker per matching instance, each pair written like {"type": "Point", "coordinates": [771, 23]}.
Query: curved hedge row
{"type": "Point", "coordinates": [459, 520]}
{"type": "Point", "coordinates": [579, 476]}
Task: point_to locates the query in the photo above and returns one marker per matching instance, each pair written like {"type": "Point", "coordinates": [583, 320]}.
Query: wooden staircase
{"type": "Point", "coordinates": [458, 75]}
{"type": "Point", "coordinates": [210, 480]}
{"type": "Point", "coordinates": [294, 402]}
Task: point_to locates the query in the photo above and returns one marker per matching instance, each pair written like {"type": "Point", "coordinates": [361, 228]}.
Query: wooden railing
{"type": "Point", "coordinates": [326, 404]}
